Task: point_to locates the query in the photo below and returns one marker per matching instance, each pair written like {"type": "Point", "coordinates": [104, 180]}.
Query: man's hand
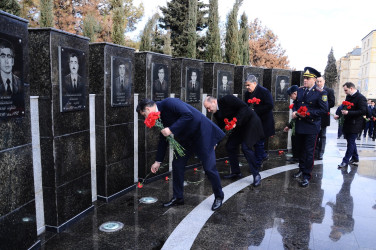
{"type": "Point", "coordinates": [336, 117]}
{"type": "Point", "coordinates": [286, 129]}
{"type": "Point", "coordinates": [154, 168]}
{"type": "Point", "coordinates": [166, 132]}
{"type": "Point", "coordinates": [294, 115]}
{"type": "Point", "coordinates": [344, 112]}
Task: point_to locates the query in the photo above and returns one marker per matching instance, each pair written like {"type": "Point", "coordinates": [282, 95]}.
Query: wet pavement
{"type": "Point", "coordinates": [336, 211]}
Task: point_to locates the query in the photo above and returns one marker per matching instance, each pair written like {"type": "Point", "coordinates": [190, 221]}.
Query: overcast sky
{"type": "Point", "coordinates": [306, 30]}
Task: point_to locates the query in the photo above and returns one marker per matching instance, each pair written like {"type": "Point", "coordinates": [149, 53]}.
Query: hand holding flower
{"type": "Point", "coordinates": [154, 168]}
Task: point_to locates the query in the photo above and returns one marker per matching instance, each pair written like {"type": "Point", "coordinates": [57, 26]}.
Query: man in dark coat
{"type": "Point", "coordinates": [196, 134]}
{"type": "Point", "coordinates": [248, 130]}
{"type": "Point", "coordinates": [353, 123]}
{"type": "Point", "coordinates": [337, 116]}
{"type": "Point", "coordinates": [264, 110]}
{"type": "Point", "coordinates": [325, 118]}
{"type": "Point", "coordinates": [308, 124]}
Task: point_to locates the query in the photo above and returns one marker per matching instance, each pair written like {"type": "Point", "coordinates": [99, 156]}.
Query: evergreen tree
{"type": "Point", "coordinates": [46, 13]}
{"type": "Point", "coordinates": [331, 71]}
{"type": "Point", "coordinates": [232, 35]}
{"type": "Point", "coordinates": [176, 18]}
{"type": "Point", "coordinates": [146, 36]}
{"type": "Point", "coordinates": [244, 40]}
{"type": "Point", "coordinates": [264, 50]}
{"type": "Point", "coordinates": [191, 29]}
{"type": "Point", "coordinates": [10, 6]}
{"type": "Point", "coordinates": [90, 27]}
{"type": "Point", "coordinates": [118, 27]}
{"type": "Point", "coordinates": [167, 44]}
{"type": "Point", "coordinates": [213, 53]}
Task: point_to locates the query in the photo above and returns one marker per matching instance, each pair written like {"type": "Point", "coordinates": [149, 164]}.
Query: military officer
{"type": "Point", "coordinates": [308, 124]}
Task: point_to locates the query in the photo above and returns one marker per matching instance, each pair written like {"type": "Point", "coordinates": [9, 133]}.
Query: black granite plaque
{"type": "Point", "coordinates": [72, 79]}
{"type": "Point", "coordinates": [297, 78]}
{"type": "Point", "coordinates": [12, 98]}
{"type": "Point", "coordinates": [225, 83]}
{"type": "Point", "coordinates": [121, 81]}
{"type": "Point", "coordinates": [160, 83]}
{"type": "Point", "coordinates": [193, 86]}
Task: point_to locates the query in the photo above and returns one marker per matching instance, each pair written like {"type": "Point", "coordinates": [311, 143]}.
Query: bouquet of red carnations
{"type": "Point", "coordinates": [254, 101]}
{"type": "Point", "coordinates": [346, 105]}
{"type": "Point", "coordinates": [303, 111]}
{"type": "Point", "coordinates": [230, 125]}
{"type": "Point", "coordinates": [152, 120]}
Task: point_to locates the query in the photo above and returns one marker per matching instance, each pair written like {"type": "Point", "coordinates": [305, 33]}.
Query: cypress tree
{"type": "Point", "coordinates": [176, 18]}
{"type": "Point", "coordinates": [46, 13]}
{"type": "Point", "coordinates": [213, 53]}
{"type": "Point", "coordinates": [232, 35]}
{"type": "Point", "coordinates": [244, 40]}
{"type": "Point", "coordinates": [10, 6]}
{"type": "Point", "coordinates": [191, 29]}
{"type": "Point", "coordinates": [167, 44]}
{"type": "Point", "coordinates": [331, 71]}
{"type": "Point", "coordinates": [118, 20]}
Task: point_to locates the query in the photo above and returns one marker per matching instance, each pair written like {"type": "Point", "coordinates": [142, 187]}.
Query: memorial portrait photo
{"type": "Point", "coordinates": [160, 82]}
{"type": "Point", "coordinates": [281, 85]}
{"type": "Point", "coordinates": [225, 84]}
{"type": "Point", "coordinates": [193, 85]}
{"type": "Point", "coordinates": [72, 76]}
{"type": "Point", "coordinates": [12, 98]}
{"type": "Point", "coordinates": [121, 81]}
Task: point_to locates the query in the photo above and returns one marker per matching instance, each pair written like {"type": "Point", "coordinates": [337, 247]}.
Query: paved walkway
{"type": "Point", "coordinates": [336, 211]}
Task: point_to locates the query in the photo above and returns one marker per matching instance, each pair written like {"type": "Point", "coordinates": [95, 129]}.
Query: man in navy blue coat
{"type": "Point", "coordinates": [308, 126]}
{"type": "Point", "coordinates": [247, 132]}
{"type": "Point", "coordinates": [264, 110]}
{"type": "Point", "coordinates": [196, 134]}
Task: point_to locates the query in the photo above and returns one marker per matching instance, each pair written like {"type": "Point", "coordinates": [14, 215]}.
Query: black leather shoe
{"type": "Point", "coordinates": [174, 202]}
{"type": "Point", "coordinates": [354, 162]}
{"type": "Point", "coordinates": [342, 165]}
{"type": "Point", "coordinates": [217, 203]}
{"type": "Point", "coordinates": [233, 176]}
{"type": "Point", "coordinates": [297, 174]}
{"type": "Point", "coordinates": [256, 181]}
{"type": "Point", "coordinates": [304, 183]}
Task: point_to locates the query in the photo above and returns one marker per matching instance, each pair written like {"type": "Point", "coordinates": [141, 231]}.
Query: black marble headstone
{"type": "Point", "coordinates": [18, 228]}
{"type": "Point", "coordinates": [64, 134]}
{"type": "Point", "coordinates": [297, 78]}
{"type": "Point", "coordinates": [111, 73]}
{"type": "Point", "coordinates": [241, 74]}
{"type": "Point", "coordinates": [278, 81]}
{"type": "Point", "coordinates": [147, 84]}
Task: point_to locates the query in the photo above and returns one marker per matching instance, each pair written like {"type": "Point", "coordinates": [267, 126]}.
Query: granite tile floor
{"type": "Point", "coordinates": [336, 211]}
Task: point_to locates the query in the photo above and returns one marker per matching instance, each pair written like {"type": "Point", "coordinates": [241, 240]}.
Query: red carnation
{"type": "Point", "coordinates": [291, 106]}
{"type": "Point", "coordinates": [166, 178]}
{"type": "Point", "coordinates": [280, 152]}
{"type": "Point", "coordinates": [139, 185]}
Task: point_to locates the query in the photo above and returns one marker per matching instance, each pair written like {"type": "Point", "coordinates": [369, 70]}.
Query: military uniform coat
{"type": "Point", "coordinates": [317, 105]}
{"type": "Point", "coordinates": [325, 119]}
{"type": "Point", "coordinates": [264, 109]}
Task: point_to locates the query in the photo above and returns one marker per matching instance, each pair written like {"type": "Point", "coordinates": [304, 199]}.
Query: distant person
{"type": "Point", "coordinates": [337, 116]}
{"type": "Point", "coordinates": [325, 118]}
{"type": "Point", "coordinates": [292, 92]}
{"type": "Point", "coordinates": [368, 128]}
{"type": "Point", "coordinates": [73, 83]}
{"type": "Point", "coordinates": [353, 122]}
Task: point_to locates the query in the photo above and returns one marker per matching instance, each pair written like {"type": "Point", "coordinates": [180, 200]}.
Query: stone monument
{"type": "Point", "coordinates": [241, 73]}
{"type": "Point", "coordinates": [111, 74]}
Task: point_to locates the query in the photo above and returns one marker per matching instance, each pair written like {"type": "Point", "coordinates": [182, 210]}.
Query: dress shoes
{"type": "Point", "coordinates": [217, 203]}
{"type": "Point", "coordinates": [233, 176]}
{"type": "Point", "coordinates": [354, 161]}
{"type": "Point", "coordinates": [297, 174]}
{"type": "Point", "coordinates": [256, 181]}
{"type": "Point", "coordinates": [174, 202]}
{"type": "Point", "coordinates": [304, 183]}
{"type": "Point", "coordinates": [342, 165]}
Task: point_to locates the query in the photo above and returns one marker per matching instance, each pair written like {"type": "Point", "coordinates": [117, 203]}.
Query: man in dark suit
{"type": "Point", "coordinates": [353, 123]}
{"type": "Point", "coordinates": [325, 118]}
{"type": "Point", "coordinates": [196, 134]}
{"type": "Point", "coordinates": [160, 84]}
{"type": "Point", "coordinates": [73, 81]}
{"type": "Point", "coordinates": [225, 88]}
{"type": "Point", "coordinates": [281, 90]}
{"type": "Point", "coordinates": [11, 86]}
{"type": "Point", "coordinates": [265, 112]}
{"type": "Point", "coordinates": [368, 128]}
{"type": "Point", "coordinates": [121, 89]}
{"type": "Point", "coordinates": [308, 125]}
{"type": "Point", "coordinates": [193, 85]}
{"type": "Point", "coordinates": [248, 130]}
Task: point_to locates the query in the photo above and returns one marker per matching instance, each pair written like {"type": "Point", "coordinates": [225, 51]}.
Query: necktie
{"type": "Point", "coordinates": [224, 87]}
{"type": "Point", "coordinates": [122, 84]}
{"type": "Point", "coordinates": [193, 86]}
{"type": "Point", "coordinates": [305, 92]}
{"type": "Point", "coordinates": [9, 90]}
{"type": "Point", "coordinates": [74, 84]}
